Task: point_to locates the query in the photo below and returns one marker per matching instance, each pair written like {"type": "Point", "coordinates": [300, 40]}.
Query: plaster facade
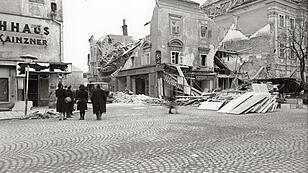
{"type": "Point", "coordinates": [30, 27]}
{"type": "Point", "coordinates": [181, 35]}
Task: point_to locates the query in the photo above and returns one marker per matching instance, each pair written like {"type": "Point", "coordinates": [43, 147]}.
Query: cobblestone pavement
{"type": "Point", "coordinates": [147, 139]}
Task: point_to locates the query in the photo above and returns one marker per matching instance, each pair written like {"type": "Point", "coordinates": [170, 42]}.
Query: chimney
{"type": "Point", "coordinates": [124, 28]}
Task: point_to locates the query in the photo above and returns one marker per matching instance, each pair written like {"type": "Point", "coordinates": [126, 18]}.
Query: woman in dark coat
{"type": "Point", "coordinates": [98, 99]}
{"type": "Point", "coordinates": [82, 100]}
{"type": "Point", "coordinates": [60, 94]}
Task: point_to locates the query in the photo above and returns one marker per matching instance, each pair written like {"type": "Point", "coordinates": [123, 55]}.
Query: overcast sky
{"type": "Point", "coordinates": [83, 18]}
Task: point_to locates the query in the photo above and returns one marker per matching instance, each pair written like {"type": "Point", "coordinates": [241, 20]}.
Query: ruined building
{"type": "Point", "coordinates": [178, 55]}
{"type": "Point", "coordinates": [261, 23]}
{"type": "Point", "coordinates": [101, 49]}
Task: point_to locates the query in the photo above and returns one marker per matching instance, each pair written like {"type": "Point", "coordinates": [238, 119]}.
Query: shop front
{"type": "Point", "coordinates": [142, 80]}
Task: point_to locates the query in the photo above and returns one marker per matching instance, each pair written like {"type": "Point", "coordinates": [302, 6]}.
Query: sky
{"type": "Point", "coordinates": [83, 18]}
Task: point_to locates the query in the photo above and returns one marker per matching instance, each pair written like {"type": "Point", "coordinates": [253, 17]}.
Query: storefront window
{"type": "Point", "coordinates": [4, 89]}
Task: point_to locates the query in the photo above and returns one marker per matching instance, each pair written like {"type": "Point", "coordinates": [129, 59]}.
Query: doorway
{"type": "Point", "coordinates": [33, 89]}
{"type": "Point", "coordinates": [140, 86]}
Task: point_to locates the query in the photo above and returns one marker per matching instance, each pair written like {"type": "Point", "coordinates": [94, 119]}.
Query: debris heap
{"type": "Point", "coordinates": [120, 97]}
{"type": "Point", "coordinates": [257, 100]}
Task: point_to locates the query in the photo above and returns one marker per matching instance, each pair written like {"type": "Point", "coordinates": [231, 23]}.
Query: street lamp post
{"type": "Point", "coordinates": [28, 60]}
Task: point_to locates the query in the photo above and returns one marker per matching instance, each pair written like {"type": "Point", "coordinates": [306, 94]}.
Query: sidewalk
{"type": "Point", "coordinates": [18, 114]}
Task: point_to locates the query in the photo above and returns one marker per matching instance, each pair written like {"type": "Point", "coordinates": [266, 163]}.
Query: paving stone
{"type": "Point", "coordinates": [131, 139]}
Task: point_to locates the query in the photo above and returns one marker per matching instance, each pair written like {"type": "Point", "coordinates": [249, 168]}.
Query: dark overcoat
{"type": "Point", "coordinates": [98, 99]}
{"type": "Point", "coordinates": [82, 100]}
{"type": "Point", "coordinates": [69, 106]}
{"type": "Point", "coordinates": [60, 94]}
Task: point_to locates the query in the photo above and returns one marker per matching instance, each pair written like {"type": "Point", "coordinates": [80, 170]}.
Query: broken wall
{"type": "Point", "coordinates": [190, 20]}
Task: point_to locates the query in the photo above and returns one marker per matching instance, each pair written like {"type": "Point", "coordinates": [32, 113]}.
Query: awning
{"type": "Point", "coordinates": [44, 67]}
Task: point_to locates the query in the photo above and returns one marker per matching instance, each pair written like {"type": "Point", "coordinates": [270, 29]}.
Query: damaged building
{"type": "Point", "coordinates": [256, 34]}
{"type": "Point", "coordinates": [101, 52]}
{"type": "Point", "coordinates": [179, 55]}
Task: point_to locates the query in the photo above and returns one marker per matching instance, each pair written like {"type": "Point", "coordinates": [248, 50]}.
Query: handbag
{"type": "Point", "coordinates": [67, 100]}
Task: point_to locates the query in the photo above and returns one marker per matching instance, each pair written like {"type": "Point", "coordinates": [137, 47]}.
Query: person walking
{"type": "Point", "coordinates": [60, 105]}
{"type": "Point", "coordinates": [172, 102]}
{"type": "Point", "coordinates": [70, 105]}
{"type": "Point", "coordinates": [82, 100]}
{"type": "Point", "coordinates": [98, 99]}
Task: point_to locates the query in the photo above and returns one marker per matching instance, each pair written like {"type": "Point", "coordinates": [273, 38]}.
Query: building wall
{"type": "Point", "coordinates": [40, 34]}
{"type": "Point", "coordinates": [30, 27]}
{"type": "Point", "coordinates": [190, 20]}
{"type": "Point", "coordinates": [34, 8]}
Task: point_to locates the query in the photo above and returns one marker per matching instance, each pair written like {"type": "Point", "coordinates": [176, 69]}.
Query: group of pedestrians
{"type": "Point", "coordinates": [66, 100]}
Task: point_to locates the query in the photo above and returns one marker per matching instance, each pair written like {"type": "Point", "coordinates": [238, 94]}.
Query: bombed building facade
{"type": "Point", "coordinates": [262, 23]}
{"type": "Point", "coordinates": [100, 50]}
{"type": "Point", "coordinates": [30, 27]}
{"type": "Point", "coordinates": [178, 55]}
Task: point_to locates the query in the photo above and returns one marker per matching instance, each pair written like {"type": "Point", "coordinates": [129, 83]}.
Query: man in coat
{"type": "Point", "coordinates": [98, 99]}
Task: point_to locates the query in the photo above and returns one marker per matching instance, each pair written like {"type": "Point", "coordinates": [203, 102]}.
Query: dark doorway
{"type": "Point", "coordinates": [33, 89]}
{"type": "Point", "coordinates": [140, 86]}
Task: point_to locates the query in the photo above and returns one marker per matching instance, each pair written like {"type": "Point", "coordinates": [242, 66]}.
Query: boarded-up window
{"type": "Point", "coordinates": [4, 89]}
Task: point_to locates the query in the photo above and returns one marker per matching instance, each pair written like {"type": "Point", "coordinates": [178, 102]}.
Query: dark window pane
{"type": "Point", "coordinates": [4, 89]}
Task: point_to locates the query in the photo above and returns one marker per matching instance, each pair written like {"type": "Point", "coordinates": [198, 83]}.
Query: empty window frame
{"type": "Point", "coordinates": [281, 20]}
{"type": "Point", "coordinates": [203, 31]}
{"type": "Point", "coordinates": [292, 23]}
{"type": "Point", "coordinates": [281, 50]}
{"type": "Point", "coordinates": [176, 58]}
{"type": "Point", "coordinates": [203, 59]}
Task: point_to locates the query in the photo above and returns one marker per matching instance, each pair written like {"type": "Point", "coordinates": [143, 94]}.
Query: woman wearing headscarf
{"type": "Point", "coordinates": [82, 100]}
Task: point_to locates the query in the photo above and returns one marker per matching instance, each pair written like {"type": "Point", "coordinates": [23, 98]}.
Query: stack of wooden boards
{"type": "Point", "coordinates": [258, 101]}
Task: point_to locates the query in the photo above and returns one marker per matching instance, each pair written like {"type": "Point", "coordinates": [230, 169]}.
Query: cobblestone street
{"type": "Point", "coordinates": [141, 138]}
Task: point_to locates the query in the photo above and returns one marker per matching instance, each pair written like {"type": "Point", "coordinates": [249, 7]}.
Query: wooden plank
{"type": "Point", "coordinates": [261, 104]}
{"type": "Point", "coordinates": [265, 105]}
{"type": "Point", "coordinates": [249, 110]}
{"type": "Point", "coordinates": [211, 105]}
{"type": "Point", "coordinates": [252, 101]}
{"type": "Point", "coordinates": [236, 102]}
{"type": "Point", "coordinates": [273, 100]}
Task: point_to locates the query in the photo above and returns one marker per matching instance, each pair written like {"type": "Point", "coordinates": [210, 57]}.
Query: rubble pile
{"type": "Point", "coordinates": [120, 97]}
{"type": "Point", "coordinates": [255, 99]}
{"type": "Point", "coordinates": [39, 115]}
